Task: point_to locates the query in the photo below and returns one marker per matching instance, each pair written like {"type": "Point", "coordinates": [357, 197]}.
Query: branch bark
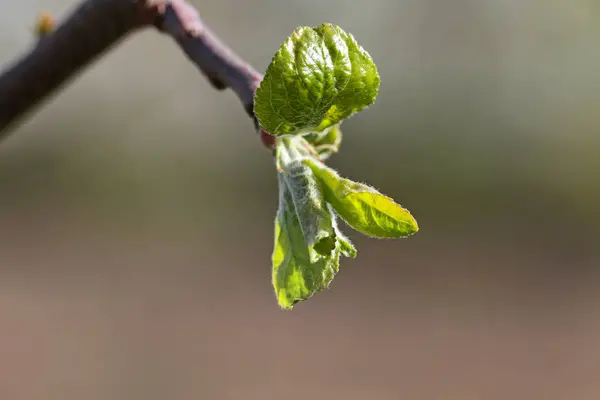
{"type": "Point", "coordinates": [97, 25]}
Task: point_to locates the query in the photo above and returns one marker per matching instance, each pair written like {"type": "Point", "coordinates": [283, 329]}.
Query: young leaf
{"type": "Point", "coordinates": [346, 246]}
{"type": "Point", "coordinates": [327, 142]}
{"type": "Point", "coordinates": [295, 276]}
{"type": "Point", "coordinates": [361, 206]}
{"type": "Point", "coordinates": [308, 242]}
{"type": "Point", "coordinates": [312, 212]}
{"type": "Point", "coordinates": [317, 78]}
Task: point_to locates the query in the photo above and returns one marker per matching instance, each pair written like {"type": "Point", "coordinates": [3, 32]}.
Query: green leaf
{"type": "Point", "coordinates": [362, 207]}
{"type": "Point", "coordinates": [317, 78]}
{"type": "Point", "coordinates": [312, 212]}
{"type": "Point", "coordinates": [296, 276]}
{"type": "Point", "coordinates": [308, 242]}
{"type": "Point", "coordinates": [346, 246]}
{"type": "Point", "coordinates": [326, 143]}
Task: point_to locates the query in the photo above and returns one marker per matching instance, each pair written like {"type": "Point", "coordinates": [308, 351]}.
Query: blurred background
{"type": "Point", "coordinates": [137, 209]}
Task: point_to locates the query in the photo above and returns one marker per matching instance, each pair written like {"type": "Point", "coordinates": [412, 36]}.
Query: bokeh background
{"type": "Point", "coordinates": [137, 208]}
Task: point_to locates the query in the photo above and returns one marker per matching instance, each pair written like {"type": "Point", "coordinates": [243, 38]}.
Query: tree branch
{"type": "Point", "coordinates": [94, 27]}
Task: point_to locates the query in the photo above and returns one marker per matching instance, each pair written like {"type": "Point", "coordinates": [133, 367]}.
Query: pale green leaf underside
{"type": "Point", "coordinates": [362, 207]}
{"type": "Point", "coordinates": [311, 210]}
{"type": "Point", "coordinates": [308, 242]}
{"type": "Point", "coordinates": [297, 274]}
{"type": "Point", "coordinates": [317, 78]}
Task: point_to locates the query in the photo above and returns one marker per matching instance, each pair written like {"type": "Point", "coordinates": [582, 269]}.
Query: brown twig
{"type": "Point", "coordinates": [94, 27]}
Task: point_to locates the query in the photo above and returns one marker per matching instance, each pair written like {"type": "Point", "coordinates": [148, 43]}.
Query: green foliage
{"type": "Point", "coordinates": [308, 243]}
{"type": "Point", "coordinates": [327, 142]}
{"type": "Point", "coordinates": [361, 206]}
{"type": "Point", "coordinates": [319, 77]}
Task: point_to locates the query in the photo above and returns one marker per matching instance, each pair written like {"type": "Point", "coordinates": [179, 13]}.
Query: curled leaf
{"type": "Point", "coordinates": [312, 212]}
{"type": "Point", "coordinates": [308, 242]}
{"type": "Point", "coordinates": [297, 275]}
{"type": "Point", "coordinates": [327, 142]}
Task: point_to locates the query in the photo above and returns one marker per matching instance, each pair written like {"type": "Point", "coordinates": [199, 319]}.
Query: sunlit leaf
{"type": "Point", "coordinates": [327, 142]}
{"type": "Point", "coordinates": [317, 78]}
{"type": "Point", "coordinates": [361, 206]}
{"type": "Point", "coordinates": [295, 276]}
{"type": "Point", "coordinates": [308, 242]}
